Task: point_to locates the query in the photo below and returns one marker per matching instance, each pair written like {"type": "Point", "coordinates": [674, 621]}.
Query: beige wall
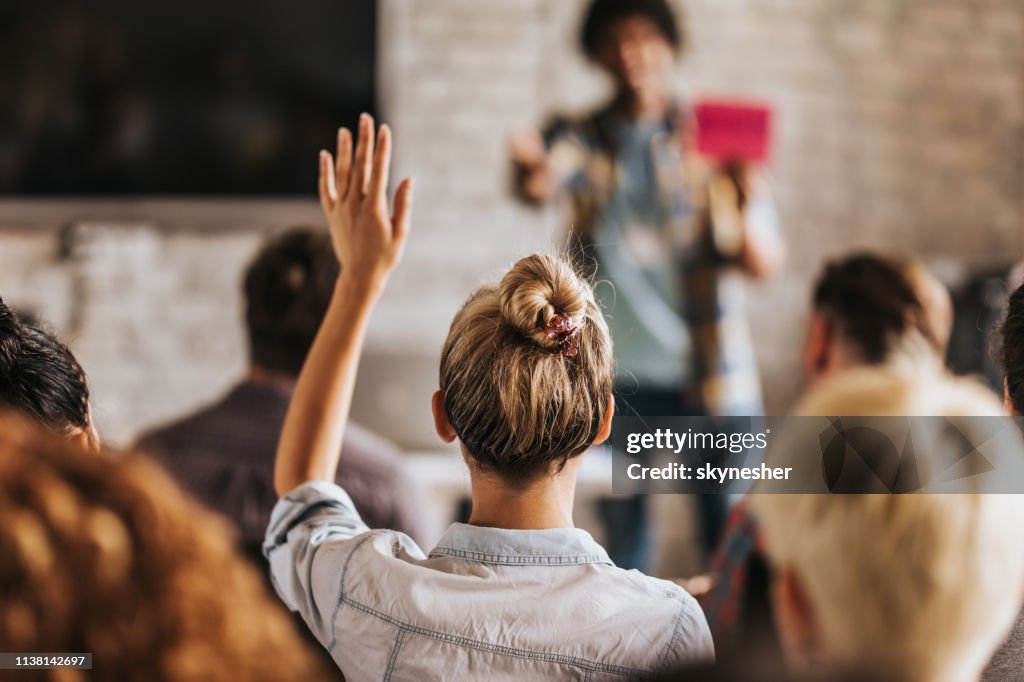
{"type": "Point", "coordinates": [900, 126]}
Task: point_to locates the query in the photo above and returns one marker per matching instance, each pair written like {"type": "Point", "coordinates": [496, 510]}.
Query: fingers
{"type": "Point", "coordinates": [365, 174]}
{"type": "Point", "coordinates": [402, 216]}
{"type": "Point", "coordinates": [378, 192]}
{"type": "Point", "coordinates": [328, 190]}
{"type": "Point", "coordinates": [342, 171]}
{"type": "Point", "coordinates": [363, 159]}
{"type": "Point", "coordinates": [528, 148]}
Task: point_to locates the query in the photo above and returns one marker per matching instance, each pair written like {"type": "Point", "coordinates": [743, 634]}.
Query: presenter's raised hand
{"type": "Point", "coordinates": [368, 237]}
{"type": "Point", "coordinates": [533, 175]}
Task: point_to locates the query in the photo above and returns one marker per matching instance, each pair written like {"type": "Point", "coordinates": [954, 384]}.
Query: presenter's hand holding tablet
{"type": "Point", "coordinates": [737, 138]}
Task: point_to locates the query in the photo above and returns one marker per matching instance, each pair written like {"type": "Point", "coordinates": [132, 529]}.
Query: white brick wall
{"type": "Point", "coordinates": [901, 126]}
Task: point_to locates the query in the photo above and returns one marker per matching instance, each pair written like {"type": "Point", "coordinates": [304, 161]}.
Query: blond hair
{"type": "Point", "coordinates": [918, 585]}
{"type": "Point", "coordinates": [111, 557]}
{"type": "Point", "coordinates": [519, 401]}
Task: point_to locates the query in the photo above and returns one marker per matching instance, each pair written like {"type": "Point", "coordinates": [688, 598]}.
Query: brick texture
{"type": "Point", "coordinates": [900, 127]}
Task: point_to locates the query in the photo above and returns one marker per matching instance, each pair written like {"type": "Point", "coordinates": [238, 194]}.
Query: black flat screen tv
{"type": "Point", "coordinates": [190, 98]}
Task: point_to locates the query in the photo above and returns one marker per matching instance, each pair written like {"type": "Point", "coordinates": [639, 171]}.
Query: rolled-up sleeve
{"type": "Point", "coordinates": [312, 530]}
{"type": "Point", "coordinates": [691, 641]}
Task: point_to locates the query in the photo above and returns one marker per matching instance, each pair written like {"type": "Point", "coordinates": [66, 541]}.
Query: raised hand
{"type": "Point", "coordinates": [368, 241]}
{"type": "Point", "coordinates": [367, 237]}
{"type": "Point", "coordinates": [534, 180]}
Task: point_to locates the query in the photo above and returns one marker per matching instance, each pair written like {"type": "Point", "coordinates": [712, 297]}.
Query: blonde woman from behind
{"type": "Point", "coordinates": [525, 388]}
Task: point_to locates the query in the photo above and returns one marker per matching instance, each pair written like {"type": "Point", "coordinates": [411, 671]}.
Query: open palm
{"type": "Point", "coordinates": [367, 237]}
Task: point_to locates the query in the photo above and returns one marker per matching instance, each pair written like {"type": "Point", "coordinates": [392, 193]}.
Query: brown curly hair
{"type": "Point", "coordinates": [107, 555]}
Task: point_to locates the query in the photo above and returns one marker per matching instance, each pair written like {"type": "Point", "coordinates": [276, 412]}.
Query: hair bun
{"type": "Point", "coordinates": [11, 332]}
{"type": "Point", "coordinates": [536, 291]}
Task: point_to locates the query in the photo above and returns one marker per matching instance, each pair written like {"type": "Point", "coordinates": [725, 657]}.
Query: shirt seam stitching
{"type": "Point", "coordinates": [516, 559]}
{"type": "Point", "coordinates": [677, 628]}
{"type": "Point", "coordinates": [341, 591]}
{"type": "Point", "coordinates": [399, 639]}
{"type": "Point", "coordinates": [575, 661]}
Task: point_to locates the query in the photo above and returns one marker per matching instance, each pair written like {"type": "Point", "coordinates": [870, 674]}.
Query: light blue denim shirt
{"type": "Point", "coordinates": [486, 604]}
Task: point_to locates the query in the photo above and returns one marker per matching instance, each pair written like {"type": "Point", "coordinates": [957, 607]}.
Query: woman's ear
{"type": "Point", "coordinates": [606, 423]}
{"type": "Point", "coordinates": [87, 439]}
{"type": "Point", "coordinates": [1007, 400]}
{"type": "Point", "coordinates": [441, 424]}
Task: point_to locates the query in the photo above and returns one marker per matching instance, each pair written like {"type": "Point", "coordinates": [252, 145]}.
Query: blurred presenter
{"type": "Point", "coordinates": [668, 231]}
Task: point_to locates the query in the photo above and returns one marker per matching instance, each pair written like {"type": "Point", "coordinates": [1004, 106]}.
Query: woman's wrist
{"type": "Point", "coordinates": [358, 291]}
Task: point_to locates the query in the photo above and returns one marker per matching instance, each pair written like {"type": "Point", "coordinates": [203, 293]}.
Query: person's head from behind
{"type": "Point", "coordinates": [913, 586]}
{"type": "Point", "coordinates": [288, 286]}
{"type": "Point", "coordinates": [874, 310]}
{"type": "Point", "coordinates": [634, 41]}
{"type": "Point", "coordinates": [1011, 352]}
{"type": "Point", "coordinates": [526, 374]}
{"type": "Point", "coordinates": [41, 378]}
{"type": "Point", "coordinates": [105, 554]}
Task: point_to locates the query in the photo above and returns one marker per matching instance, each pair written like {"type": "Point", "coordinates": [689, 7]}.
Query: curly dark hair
{"type": "Point", "coordinates": [604, 13]}
{"type": "Point", "coordinates": [1011, 349]}
{"type": "Point", "coordinates": [287, 289]}
{"type": "Point", "coordinates": [39, 376]}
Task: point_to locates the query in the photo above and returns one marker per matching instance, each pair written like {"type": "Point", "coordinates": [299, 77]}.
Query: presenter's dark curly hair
{"type": "Point", "coordinates": [602, 14]}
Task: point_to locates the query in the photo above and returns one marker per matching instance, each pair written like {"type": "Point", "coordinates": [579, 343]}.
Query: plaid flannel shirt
{"type": "Point", "coordinates": [730, 564]}
{"type": "Point", "coordinates": [725, 377]}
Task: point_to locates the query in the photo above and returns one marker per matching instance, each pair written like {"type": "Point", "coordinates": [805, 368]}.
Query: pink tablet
{"type": "Point", "coordinates": [734, 131]}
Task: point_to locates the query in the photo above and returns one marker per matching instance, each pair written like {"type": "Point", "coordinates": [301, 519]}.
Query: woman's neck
{"type": "Point", "coordinates": [538, 505]}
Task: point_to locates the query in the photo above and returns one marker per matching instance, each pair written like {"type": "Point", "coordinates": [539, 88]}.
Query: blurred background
{"type": "Point", "coordinates": [899, 127]}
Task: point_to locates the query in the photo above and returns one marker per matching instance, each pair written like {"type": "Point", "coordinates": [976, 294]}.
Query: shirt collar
{"type": "Point", "coordinates": [555, 546]}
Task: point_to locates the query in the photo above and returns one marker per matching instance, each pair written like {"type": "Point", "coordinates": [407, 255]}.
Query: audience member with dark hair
{"type": "Point", "coordinates": [867, 310]}
{"type": "Point", "coordinates": [1011, 353]}
{"type": "Point", "coordinates": [105, 554]}
{"type": "Point", "coordinates": [1008, 663]}
{"type": "Point", "coordinates": [287, 287]}
{"type": "Point", "coordinates": [42, 379]}
{"type": "Point", "coordinates": [871, 310]}
{"type": "Point", "coordinates": [224, 454]}
{"type": "Point", "coordinates": [641, 200]}
{"type": "Point", "coordinates": [525, 388]}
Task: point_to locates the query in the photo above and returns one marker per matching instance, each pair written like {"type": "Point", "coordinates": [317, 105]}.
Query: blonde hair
{"type": "Point", "coordinates": [111, 557]}
{"type": "Point", "coordinates": [518, 400]}
{"type": "Point", "coordinates": [918, 585]}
